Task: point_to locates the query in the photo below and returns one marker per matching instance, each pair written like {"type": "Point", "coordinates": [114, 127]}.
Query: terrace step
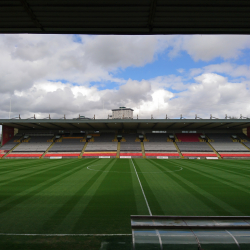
{"type": "Point", "coordinates": [47, 150]}
{"type": "Point", "coordinates": [80, 156]}
{"type": "Point", "coordinates": [118, 150]}
{"type": "Point", "coordinates": [13, 148]}
{"type": "Point", "coordinates": [143, 150]}
{"type": "Point", "coordinates": [214, 150]}
{"type": "Point", "coordinates": [177, 148]}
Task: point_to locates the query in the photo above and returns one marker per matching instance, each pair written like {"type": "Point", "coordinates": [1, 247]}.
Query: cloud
{"type": "Point", "coordinates": [26, 59]}
{"type": "Point", "coordinates": [207, 47]}
{"type": "Point", "coordinates": [58, 74]}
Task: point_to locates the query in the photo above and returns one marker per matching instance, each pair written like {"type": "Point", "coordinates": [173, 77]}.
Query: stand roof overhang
{"type": "Point", "coordinates": [125, 16]}
{"type": "Point", "coordinates": [135, 124]}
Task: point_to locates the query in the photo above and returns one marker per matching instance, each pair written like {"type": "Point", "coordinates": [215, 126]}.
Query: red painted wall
{"type": "Point", "coordinates": [248, 132]}
{"type": "Point", "coordinates": [7, 133]}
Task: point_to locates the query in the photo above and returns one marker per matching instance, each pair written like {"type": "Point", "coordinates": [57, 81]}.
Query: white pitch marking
{"type": "Point", "coordinates": [149, 210]}
{"type": "Point", "coordinates": [12, 234]}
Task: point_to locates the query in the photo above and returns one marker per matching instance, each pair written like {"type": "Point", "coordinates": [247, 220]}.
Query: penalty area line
{"type": "Point", "coordinates": [61, 235]}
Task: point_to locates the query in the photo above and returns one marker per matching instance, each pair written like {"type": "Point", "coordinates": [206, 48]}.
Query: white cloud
{"type": "Point", "coordinates": [208, 47]}
{"type": "Point", "coordinates": [52, 74]}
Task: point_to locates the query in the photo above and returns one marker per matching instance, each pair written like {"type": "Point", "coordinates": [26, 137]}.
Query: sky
{"type": "Point", "coordinates": [154, 75]}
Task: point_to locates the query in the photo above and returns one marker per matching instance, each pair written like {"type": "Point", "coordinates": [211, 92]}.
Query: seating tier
{"type": "Point", "coordinates": [219, 137]}
{"type": "Point", "coordinates": [193, 147]}
{"type": "Point", "coordinates": [32, 147]}
{"type": "Point", "coordinates": [101, 146]}
{"type": "Point", "coordinates": [130, 146]}
{"type": "Point", "coordinates": [228, 147]}
{"type": "Point", "coordinates": [68, 145]}
{"type": "Point", "coordinates": [159, 146]}
{"type": "Point", "coordinates": [104, 137]}
{"type": "Point", "coordinates": [155, 137]}
{"type": "Point", "coordinates": [185, 137]}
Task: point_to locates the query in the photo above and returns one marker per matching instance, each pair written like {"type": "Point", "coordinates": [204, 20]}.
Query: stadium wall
{"type": "Point", "coordinates": [7, 134]}
{"type": "Point", "coordinates": [248, 132]}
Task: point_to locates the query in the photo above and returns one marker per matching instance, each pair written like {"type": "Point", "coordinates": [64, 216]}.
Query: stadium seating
{"type": "Point", "coordinates": [62, 155]}
{"type": "Point", "coordinates": [247, 144]}
{"type": "Point", "coordinates": [130, 137]}
{"type": "Point", "coordinates": [130, 146]}
{"type": "Point", "coordinates": [162, 154]}
{"type": "Point", "coordinates": [235, 154]}
{"type": "Point", "coordinates": [130, 154]}
{"type": "Point", "coordinates": [219, 137]}
{"type": "Point", "coordinates": [35, 144]}
{"type": "Point", "coordinates": [157, 137]}
{"type": "Point", "coordinates": [228, 147]}
{"type": "Point", "coordinates": [21, 155]}
{"type": "Point", "coordinates": [10, 144]}
{"type": "Point", "coordinates": [243, 137]}
{"type": "Point", "coordinates": [101, 146]}
{"type": "Point", "coordinates": [186, 137]}
{"type": "Point", "coordinates": [104, 137]}
{"type": "Point", "coordinates": [92, 154]}
{"type": "Point", "coordinates": [160, 146]}
{"type": "Point", "coordinates": [193, 147]}
{"type": "Point", "coordinates": [67, 145]}
{"type": "Point", "coordinates": [153, 149]}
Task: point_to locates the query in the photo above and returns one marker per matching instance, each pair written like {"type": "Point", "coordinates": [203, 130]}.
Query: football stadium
{"type": "Point", "coordinates": [73, 182]}
{"type": "Point", "coordinates": [124, 183]}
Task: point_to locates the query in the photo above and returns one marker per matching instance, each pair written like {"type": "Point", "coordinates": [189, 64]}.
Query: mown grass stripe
{"type": "Point", "coordinates": [110, 209]}
{"type": "Point", "coordinates": [44, 183]}
{"type": "Point", "coordinates": [12, 167]}
{"type": "Point", "coordinates": [15, 179]}
{"type": "Point", "coordinates": [139, 199]}
{"type": "Point", "coordinates": [56, 219]}
{"type": "Point", "coordinates": [220, 207]}
{"type": "Point", "coordinates": [232, 176]}
{"type": "Point", "coordinates": [218, 179]}
{"type": "Point", "coordinates": [173, 198]}
{"type": "Point", "coordinates": [153, 202]}
{"type": "Point", "coordinates": [145, 198]}
{"type": "Point", "coordinates": [16, 170]}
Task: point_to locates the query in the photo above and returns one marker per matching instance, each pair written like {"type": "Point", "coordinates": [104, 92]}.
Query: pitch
{"type": "Point", "coordinates": [71, 203]}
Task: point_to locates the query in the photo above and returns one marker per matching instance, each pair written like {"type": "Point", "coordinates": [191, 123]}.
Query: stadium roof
{"type": "Point", "coordinates": [125, 16]}
{"type": "Point", "coordinates": [150, 124]}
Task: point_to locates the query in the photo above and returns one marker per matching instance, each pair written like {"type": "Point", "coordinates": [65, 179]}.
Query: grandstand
{"type": "Point", "coordinates": [96, 140]}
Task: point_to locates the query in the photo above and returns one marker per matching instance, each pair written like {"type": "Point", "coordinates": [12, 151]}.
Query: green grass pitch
{"type": "Point", "coordinates": [97, 196]}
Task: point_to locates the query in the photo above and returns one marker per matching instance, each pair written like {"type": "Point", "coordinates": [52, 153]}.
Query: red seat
{"type": "Point", "coordinates": [162, 154]}
{"type": "Point", "coordinates": [99, 154]}
{"type": "Point", "coordinates": [202, 154]}
{"type": "Point", "coordinates": [130, 154]}
{"type": "Point", "coordinates": [185, 137]}
{"type": "Point", "coordinates": [54, 155]}
{"type": "Point", "coordinates": [235, 155]}
{"type": "Point", "coordinates": [24, 155]}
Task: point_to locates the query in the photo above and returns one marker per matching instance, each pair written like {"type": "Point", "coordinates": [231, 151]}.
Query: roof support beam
{"type": "Point", "coordinates": [186, 126]}
{"type": "Point", "coordinates": [171, 125]}
{"type": "Point", "coordinates": [31, 14]}
{"type": "Point", "coordinates": [222, 125]}
{"type": "Point", "coordinates": [71, 124]}
{"type": "Point", "coordinates": [106, 125]}
{"type": "Point", "coordinates": [151, 15]}
{"type": "Point", "coordinates": [154, 125]}
{"type": "Point", "coordinates": [18, 124]}
{"type": "Point", "coordinates": [56, 126]}
{"type": "Point", "coordinates": [240, 125]}
{"type": "Point", "coordinates": [91, 126]}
